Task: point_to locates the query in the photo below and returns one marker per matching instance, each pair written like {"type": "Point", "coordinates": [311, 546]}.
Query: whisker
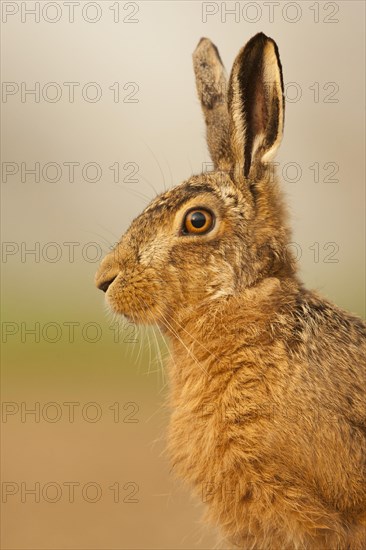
{"type": "Point", "coordinates": [193, 338]}
{"type": "Point", "coordinates": [157, 162]}
{"type": "Point", "coordinates": [184, 345]}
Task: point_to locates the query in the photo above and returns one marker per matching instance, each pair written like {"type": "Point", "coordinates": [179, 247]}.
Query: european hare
{"type": "Point", "coordinates": [267, 378]}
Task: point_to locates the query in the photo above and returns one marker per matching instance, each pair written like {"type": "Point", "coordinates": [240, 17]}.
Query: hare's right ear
{"type": "Point", "coordinates": [211, 85]}
{"type": "Point", "coordinates": [256, 104]}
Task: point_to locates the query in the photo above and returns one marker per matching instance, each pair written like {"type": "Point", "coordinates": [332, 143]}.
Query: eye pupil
{"type": "Point", "coordinates": [198, 219]}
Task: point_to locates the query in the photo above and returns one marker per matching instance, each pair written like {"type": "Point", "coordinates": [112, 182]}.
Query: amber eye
{"type": "Point", "coordinates": [198, 221]}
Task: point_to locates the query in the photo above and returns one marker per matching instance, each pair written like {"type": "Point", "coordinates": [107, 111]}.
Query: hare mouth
{"type": "Point", "coordinates": [130, 310]}
{"type": "Point", "coordinates": [119, 311]}
{"type": "Point", "coordinates": [126, 317]}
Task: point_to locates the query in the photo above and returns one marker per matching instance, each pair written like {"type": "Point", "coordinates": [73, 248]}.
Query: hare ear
{"type": "Point", "coordinates": [256, 104]}
{"type": "Point", "coordinates": [211, 85]}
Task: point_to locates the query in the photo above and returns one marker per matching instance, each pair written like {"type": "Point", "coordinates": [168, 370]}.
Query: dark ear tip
{"type": "Point", "coordinates": [202, 45]}
{"type": "Point", "coordinates": [260, 35]}
{"type": "Point", "coordinates": [207, 49]}
{"type": "Point", "coordinates": [257, 45]}
{"type": "Point", "coordinates": [260, 38]}
{"type": "Point", "coordinates": [203, 39]}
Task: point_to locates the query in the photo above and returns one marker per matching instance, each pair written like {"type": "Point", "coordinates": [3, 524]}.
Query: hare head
{"type": "Point", "coordinates": [220, 232]}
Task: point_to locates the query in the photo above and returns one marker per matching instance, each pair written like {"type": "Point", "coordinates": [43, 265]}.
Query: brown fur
{"type": "Point", "coordinates": [267, 378]}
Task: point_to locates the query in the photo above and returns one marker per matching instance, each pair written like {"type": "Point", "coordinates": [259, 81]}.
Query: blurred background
{"type": "Point", "coordinates": [99, 113]}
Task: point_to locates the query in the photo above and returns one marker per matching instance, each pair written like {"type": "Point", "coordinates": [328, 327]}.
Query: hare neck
{"type": "Point", "coordinates": [205, 342]}
{"type": "Point", "coordinates": [217, 354]}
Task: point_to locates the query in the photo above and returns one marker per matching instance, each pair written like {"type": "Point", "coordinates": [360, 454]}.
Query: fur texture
{"type": "Point", "coordinates": [267, 379]}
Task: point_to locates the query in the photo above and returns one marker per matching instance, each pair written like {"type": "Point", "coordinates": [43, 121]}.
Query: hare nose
{"type": "Point", "coordinates": [104, 285]}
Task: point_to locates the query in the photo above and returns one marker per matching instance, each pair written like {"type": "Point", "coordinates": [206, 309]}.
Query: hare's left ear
{"type": "Point", "coordinates": [256, 104]}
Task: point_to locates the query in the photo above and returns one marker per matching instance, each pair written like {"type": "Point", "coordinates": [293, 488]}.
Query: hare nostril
{"type": "Point", "coordinates": [105, 284]}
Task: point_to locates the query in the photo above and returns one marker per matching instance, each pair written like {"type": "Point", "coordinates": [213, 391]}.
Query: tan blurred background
{"type": "Point", "coordinates": [93, 450]}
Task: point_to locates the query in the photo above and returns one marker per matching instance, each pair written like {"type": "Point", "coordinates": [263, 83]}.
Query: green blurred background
{"type": "Point", "coordinates": [154, 133]}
